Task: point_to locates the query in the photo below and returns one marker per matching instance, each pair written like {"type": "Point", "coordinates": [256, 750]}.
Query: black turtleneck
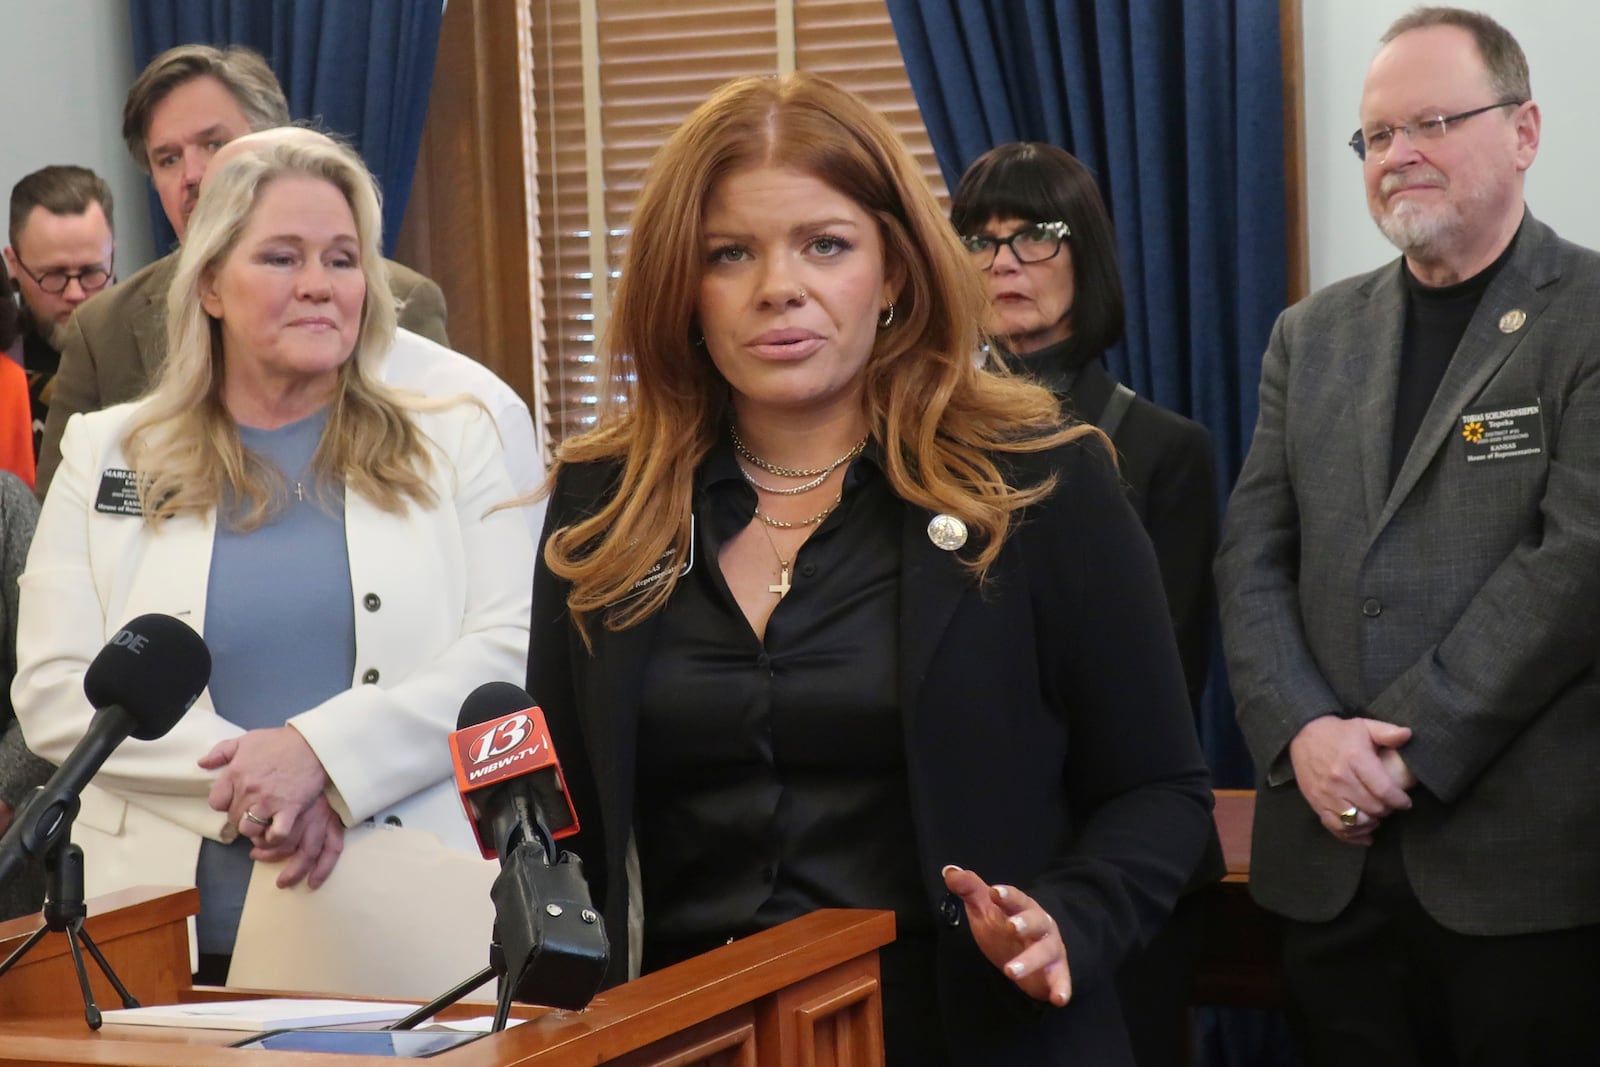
{"type": "Point", "coordinates": [1436, 320]}
{"type": "Point", "coordinates": [40, 361]}
{"type": "Point", "coordinates": [1056, 367]}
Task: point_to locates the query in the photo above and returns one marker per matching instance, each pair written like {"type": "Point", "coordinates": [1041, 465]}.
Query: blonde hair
{"type": "Point", "coordinates": [184, 446]}
{"type": "Point", "coordinates": [937, 418]}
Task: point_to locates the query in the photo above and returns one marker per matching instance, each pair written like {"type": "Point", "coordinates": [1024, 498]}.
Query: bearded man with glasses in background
{"type": "Point", "coordinates": [1410, 588]}
{"type": "Point", "coordinates": [61, 253]}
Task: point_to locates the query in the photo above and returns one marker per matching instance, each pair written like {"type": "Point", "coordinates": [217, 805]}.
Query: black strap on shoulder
{"type": "Point", "coordinates": [1111, 418]}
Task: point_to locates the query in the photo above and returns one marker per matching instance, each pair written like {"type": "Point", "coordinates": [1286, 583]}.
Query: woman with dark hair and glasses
{"type": "Point", "coordinates": [1032, 218]}
{"type": "Point", "coordinates": [1033, 221]}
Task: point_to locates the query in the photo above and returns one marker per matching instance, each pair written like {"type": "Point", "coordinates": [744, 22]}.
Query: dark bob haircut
{"type": "Point", "coordinates": [1042, 183]}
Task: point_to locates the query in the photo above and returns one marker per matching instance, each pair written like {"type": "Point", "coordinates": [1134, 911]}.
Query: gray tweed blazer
{"type": "Point", "coordinates": [1462, 601]}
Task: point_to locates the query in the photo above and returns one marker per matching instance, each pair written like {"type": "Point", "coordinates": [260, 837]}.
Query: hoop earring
{"type": "Point", "coordinates": [887, 317]}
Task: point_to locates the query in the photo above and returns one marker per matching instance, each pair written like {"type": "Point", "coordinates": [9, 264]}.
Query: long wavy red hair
{"type": "Point", "coordinates": [938, 418]}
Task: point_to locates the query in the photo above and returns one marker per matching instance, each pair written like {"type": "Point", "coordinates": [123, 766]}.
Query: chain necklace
{"type": "Point", "coordinates": [782, 587]}
{"type": "Point", "coordinates": [794, 491]}
{"type": "Point", "coordinates": [779, 524]}
{"type": "Point", "coordinates": [794, 472]}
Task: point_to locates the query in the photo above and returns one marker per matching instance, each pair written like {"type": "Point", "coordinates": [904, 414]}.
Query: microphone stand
{"type": "Point", "coordinates": [528, 823]}
{"type": "Point", "coordinates": [496, 969]}
{"type": "Point", "coordinates": [64, 912]}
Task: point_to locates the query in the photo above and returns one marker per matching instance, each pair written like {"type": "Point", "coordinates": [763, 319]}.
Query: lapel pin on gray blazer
{"type": "Point", "coordinates": [1410, 582]}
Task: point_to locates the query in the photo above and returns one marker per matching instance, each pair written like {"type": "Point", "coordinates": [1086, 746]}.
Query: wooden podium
{"type": "Point", "coordinates": [805, 993]}
{"type": "Point", "coordinates": [1237, 962]}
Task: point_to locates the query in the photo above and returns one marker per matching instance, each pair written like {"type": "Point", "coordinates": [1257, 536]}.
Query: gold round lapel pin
{"type": "Point", "coordinates": [1512, 320]}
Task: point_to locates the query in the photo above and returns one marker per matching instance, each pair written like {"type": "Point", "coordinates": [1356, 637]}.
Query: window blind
{"type": "Point", "coordinates": [604, 106]}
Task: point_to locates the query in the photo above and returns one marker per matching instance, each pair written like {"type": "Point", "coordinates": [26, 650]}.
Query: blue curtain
{"type": "Point", "coordinates": [1176, 106]}
{"type": "Point", "coordinates": [361, 69]}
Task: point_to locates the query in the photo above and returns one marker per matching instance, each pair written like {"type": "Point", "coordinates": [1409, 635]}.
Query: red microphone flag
{"type": "Point", "coordinates": [511, 746]}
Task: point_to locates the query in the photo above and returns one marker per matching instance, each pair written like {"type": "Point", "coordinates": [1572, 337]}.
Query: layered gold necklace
{"type": "Point", "coordinates": [815, 477]}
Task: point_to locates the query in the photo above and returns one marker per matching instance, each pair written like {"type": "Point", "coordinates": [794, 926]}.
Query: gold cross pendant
{"type": "Point", "coordinates": [783, 580]}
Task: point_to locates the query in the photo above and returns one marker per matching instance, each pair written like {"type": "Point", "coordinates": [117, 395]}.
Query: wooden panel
{"type": "Point", "coordinates": [727, 1041]}
{"type": "Point", "coordinates": [842, 1027]}
{"type": "Point", "coordinates": [466, 224]}
{"type": "Point", "coordinates": [716, 1010]}
{"type": "Point", "coordinates": [144, 935]}
{"type": "Point", "coordinates": [1235, 817]}
{"type": "Point", "coordinates": [1290, 32]}
{"type": "Point", "coordinates": [1239, 941]}
{"type": "Point", "coordinates": [834, 1019]}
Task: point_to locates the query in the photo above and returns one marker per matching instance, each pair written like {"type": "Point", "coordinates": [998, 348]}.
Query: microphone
{"type": "Point", "coordinates": [507, 772]}
{"type": "Point", "coordinates": [548, 937]}
{"type": "Point", "coordinates": [140, 684]}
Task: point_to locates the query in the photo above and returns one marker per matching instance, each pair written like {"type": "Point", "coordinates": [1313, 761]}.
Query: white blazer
{"type": "Point", "coordinates": [427, 367]}
{"type": "Point", "coordinates": [441, 606]}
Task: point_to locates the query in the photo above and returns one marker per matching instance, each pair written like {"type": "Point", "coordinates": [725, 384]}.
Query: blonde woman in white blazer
{"type": "Point", "coordinates": [277, 318]}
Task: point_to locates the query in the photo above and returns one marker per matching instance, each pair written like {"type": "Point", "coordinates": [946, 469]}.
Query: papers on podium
{"type": "Point", "coordinates": [255, 1015]}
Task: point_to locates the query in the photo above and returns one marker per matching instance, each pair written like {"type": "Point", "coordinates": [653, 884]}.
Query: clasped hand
{"type": "Point", "coordinates": [1016, 934]}
{"type": "Point", "coordinates": [271, 785]}
{"type": "Point", "coordinates": [1341, 764]}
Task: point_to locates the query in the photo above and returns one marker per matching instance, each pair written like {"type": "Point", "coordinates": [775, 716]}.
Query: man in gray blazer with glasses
{"type": "Point", "coordinates": [1410, 587]}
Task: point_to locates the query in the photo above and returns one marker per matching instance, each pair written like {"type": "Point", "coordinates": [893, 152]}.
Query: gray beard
{"type": "Point", "coordinates": [56, 334]}
{"type": "Point", "coordinates": [53, 335]}
{"type": "Point", "coordinates": [1412, 232]}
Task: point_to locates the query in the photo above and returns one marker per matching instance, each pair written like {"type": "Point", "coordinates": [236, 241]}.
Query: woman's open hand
{"type": "Point", "coordinates": [1015, 934]}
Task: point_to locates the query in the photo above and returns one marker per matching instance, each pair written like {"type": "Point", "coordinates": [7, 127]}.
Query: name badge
{"type": "Point", "coordinates": [118, 494]}
{"type": "Point", "coordinates": [661, 568]}
{"type": "Point", "coordinates": [1509, 432]}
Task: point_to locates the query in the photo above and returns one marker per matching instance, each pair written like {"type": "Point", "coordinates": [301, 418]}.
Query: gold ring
{"type": "Point", "coordinates": [1348, 816]}
{"type": "Point", "coordinates": [258, 820]}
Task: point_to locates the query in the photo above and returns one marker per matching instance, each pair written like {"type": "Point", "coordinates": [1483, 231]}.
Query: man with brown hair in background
{"type": "Point", "coordinates": [61, 252]}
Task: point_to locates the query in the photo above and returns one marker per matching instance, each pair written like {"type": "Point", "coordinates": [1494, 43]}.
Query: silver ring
{"type": "Point", "coordinates": [1348, 816]}
{"type": "Point", "coordinates": [258, 820]}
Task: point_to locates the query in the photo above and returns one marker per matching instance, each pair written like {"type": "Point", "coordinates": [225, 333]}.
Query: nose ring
{"type": "Point", "coordinates": [802, 295]}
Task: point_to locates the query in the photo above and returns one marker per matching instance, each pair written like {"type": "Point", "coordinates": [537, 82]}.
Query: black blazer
{"type": "Point", "coordinates": [1047, 735]}
{"type": "Point", "coordinates": [1171, 482]}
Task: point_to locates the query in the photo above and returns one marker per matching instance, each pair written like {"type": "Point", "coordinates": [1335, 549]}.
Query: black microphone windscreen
{"type": "Point", "coordinates": [154, 668]}
{"type": "Point", "coordinates": [490, 701]}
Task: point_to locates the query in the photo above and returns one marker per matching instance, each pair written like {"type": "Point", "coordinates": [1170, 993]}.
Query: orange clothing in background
{"type": "Point", "coordinates": [16, 422]}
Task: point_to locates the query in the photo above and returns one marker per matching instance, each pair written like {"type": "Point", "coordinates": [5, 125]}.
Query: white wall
{"type": "Point", "coordinates": [1341, 37]}
{"type": "Point", "coordinates": [64, 70]}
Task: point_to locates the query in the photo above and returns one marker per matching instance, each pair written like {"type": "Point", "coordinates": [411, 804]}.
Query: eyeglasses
{"type": "Point", "coordinates": [1379, 141]}
{"type": "Point", "coordinates": [92, 279]}
{"type": "Point", "coordinates": [1037, 243]}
